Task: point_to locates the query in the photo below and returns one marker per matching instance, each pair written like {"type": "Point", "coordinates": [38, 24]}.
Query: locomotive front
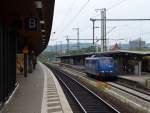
{"type": "Point", "coordinates": [107, 67]}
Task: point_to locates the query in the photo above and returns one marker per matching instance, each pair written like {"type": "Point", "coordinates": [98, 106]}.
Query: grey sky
{"type": "Point", "coordinates": [66, 18]}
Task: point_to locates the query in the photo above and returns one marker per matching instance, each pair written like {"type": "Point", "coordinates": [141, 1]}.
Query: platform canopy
{"type": "Point", "coordinates": [141, 54]}
{"type": "Point", "coordinates": [32, 21]}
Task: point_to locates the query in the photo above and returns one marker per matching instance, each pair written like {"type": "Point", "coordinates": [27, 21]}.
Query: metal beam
{"type": "Point", "coordinates": [95, 39]}
{"type": "Point", "coordinates": [120, 19]}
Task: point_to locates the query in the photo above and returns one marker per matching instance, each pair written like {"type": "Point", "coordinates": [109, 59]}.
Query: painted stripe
{"type": "Point", "coordinates": [54, 107]}
{"type": "Point", "coordinates": [51, 102]}
{"type": "Point", "coordinates": [53, 98]}
{"type": "Point", "coordinates": [44, 106]}
{"type": "Point", "coordinates": [51, 90]}
{"type": "Point", "coordinates": [57, 112]}
{"type": "Point", "coordinates": [12, 94]}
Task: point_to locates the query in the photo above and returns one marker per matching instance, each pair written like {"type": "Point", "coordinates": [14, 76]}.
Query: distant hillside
{"type": "Point", "coordinates": [82, 45]}
{"type": "Point", "coordinates": [64, 47]}
{"type": "Point", "coordinates": [124, 46]}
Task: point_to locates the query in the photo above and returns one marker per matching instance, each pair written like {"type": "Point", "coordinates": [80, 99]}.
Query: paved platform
{"type": "Point", "coordinates": [40, 92]}
{"type": "Point", "coordinates": [143, 79]}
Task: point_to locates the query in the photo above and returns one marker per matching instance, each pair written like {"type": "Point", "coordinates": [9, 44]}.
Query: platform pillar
{"type": "Point", "coordinates": [140, 68]}
{"type": "Point", "coordinates": [7, 61]}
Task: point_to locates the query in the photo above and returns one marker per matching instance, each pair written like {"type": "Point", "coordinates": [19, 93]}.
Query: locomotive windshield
{"type": "Point", "coordinates": [107, 60]}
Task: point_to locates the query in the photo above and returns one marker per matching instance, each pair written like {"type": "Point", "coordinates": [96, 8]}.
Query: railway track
{"type": "Point", "coordinates": [86, 99]}
{"type": "Point", "coordinates": [127, 89]}
{"type": "Point", "coordinates": [135, 97]}
{"type": "Point", "coordinates": [136, 93]}
{"type": "Point", "coordinates": [142, 94]}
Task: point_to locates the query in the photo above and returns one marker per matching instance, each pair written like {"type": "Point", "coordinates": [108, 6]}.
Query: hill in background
{"type": "Point", "coordinates": [63, 47]}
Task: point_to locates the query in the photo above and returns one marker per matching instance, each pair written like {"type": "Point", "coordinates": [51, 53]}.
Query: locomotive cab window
{"type": "Point", "coordinates": [86, 61]}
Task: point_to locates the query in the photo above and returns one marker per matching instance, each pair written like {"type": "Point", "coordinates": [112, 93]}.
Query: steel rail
{"type": "Point", "coordinates": [136, 95]}
{"type": "Point", "coordinates": [122, 19]}
{"type": "Point", "coordinates": [78, 99]}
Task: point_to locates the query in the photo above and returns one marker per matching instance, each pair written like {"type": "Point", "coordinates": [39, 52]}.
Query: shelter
{"type": "Point", "coordinates": [25, 27]}
{"type": "Point", "coordinates": [133, 62]}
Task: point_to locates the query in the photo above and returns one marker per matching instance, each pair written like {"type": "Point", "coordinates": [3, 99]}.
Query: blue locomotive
{"type": "Point", "coordinates": [101, 67]}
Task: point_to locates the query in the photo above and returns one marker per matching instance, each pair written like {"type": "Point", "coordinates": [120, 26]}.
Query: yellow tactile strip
{"type": "Point", "coordinates": [54, 100]}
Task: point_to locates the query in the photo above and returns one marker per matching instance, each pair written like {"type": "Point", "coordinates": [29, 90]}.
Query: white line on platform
{"type": "Point", "coordinates": [58, 112]}
{"type": "Point", "coordinates": [53, 98]}
{"type": "Point", "coordinates": [63, 101]}
{"type": "Point", "coordinates": [53, 102]}
{"type": "Point", "coordinates": [54, 107]}
{"type": "Point", "coordinates": [44, 105]}
{"type": "Point", "coordinates": [48, 95]}
{"type": "Point", "coordinates": [12, 94]}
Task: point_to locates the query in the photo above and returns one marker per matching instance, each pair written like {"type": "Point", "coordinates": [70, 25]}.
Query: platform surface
{"type": "Point", "coordinates": [40, 92]}
{"type": "Point", "coordinates": [140, 79]}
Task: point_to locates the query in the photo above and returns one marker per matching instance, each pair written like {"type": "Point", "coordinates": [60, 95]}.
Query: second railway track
{"type": "Point", "coordinates": [130, 90]}
{"type": "Point", "coordinates": [86, 99]}
{"type": "Point", "coordinates": [135, 100]}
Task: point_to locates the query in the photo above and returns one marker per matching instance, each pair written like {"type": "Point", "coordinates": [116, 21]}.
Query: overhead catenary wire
{"type": "Point", "coordinates": [69, 10]}
{"type": "Point", "coordinates": [74, 17]}
{"type": "Point", "coordinates": [78, 13]}
{"type": "Point", "coordinates": [109, 8]}
{"type": "Point", "coordinates": [116, 4]}
{"type": "Point", "coordinates": [112, 6]}
{"type": "Point", "coordinates": [87, 26]}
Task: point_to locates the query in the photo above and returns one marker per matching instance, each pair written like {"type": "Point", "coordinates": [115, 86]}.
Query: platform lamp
{"type": "Point", "coordinates": [43, 38]}
{"type": "Point", "coordinates": [38, 4]}
{"type": "Point", "coordinates": [43, 30]}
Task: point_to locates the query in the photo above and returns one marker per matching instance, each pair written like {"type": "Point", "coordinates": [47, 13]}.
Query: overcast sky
{"type": "Point", "coordinates": [70, 14]}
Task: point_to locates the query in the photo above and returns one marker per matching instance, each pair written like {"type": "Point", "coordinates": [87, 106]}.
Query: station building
{"type": "Point", "coordinates": [25, 27]}
{"type": "Point", "coordinates": [129, 62]}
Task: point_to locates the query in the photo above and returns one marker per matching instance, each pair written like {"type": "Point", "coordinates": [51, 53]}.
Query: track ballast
{"type": "Point", "coordinates": [87, 100]}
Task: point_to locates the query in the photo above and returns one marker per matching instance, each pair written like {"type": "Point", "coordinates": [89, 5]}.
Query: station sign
{"type": "Point", "coordinates": [31, 24]}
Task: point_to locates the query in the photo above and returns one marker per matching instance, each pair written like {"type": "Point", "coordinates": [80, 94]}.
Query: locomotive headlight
{"type": "Point", "coordinates": [102, 71]}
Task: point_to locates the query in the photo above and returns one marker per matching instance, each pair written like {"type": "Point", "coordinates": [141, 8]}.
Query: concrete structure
{"type": "Point", "coordinates": [138, 43]}
{"type": "Point", "coordinates": [40, 92]}
{"type": "Point", "coordinates": [25, 27]}
{"type": "Point", "coordinates": [131, 62]}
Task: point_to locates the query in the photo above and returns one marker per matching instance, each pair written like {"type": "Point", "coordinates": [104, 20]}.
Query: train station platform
{"type": "Point", "coordinates": [40, 92]}
{"type": "Point", "coordinates": [141, 81]}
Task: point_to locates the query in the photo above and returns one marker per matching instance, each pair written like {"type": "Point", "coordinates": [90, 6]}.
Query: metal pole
{"type": "Point", "coordinates": [103, 30]}
{"type": "Point", "coordinates": [122, 19]}
{"type": "Point", "coordinates": [61, 47]}
{"type": "Point", "coordinates": [67, 43]}
{"type": "Point", "coordinates": [78, 43]}
{"type": "Point", "coordinates": [93, 34]}
{"type": "Point", "coordinates": [105, 46]}
{"type": "Point", "coordinates": [93, 30]}
{"type": "Point", "coordinates": [56, 47]}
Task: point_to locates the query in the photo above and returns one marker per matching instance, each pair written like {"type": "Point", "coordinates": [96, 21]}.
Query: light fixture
{"type": "Point", "coordinates": [43, 42]}
{"type": "Point", "coordinates": [42, 22]}
{"type": "Point", "coordinates": [43, 30]}
{"type": "Point", "coordinates": [38, 4]}
{"type": "Point", "coordinates": [43, 36]}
